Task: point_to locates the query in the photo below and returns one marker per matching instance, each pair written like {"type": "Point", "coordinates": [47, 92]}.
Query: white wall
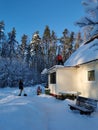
{"type": "Point", "coordinates": [66, 79]}
{"type": "Point", "coordinates": [75, 79]}
{"type": "Point", "coordinates": [88, 88]}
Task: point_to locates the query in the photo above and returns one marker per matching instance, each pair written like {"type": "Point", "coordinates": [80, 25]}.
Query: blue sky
{"type": "Point", "coordinates": [28, 16]}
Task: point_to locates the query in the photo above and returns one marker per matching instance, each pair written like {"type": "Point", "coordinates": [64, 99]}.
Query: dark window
{"type": "Point", "coordinates": [91, 75]}
{"type": "Point", "coordinates": [53, 78]}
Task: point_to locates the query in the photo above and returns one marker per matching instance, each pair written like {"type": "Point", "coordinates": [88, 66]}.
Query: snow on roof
{"type": "Point", "coordinates": [58, 66]}
{"type": "Point", "coordinates": [45, 71]}
{"type": "Point", "coordinates": [55, 67]}
{"type": "Point", "coordinates": [84, 54]}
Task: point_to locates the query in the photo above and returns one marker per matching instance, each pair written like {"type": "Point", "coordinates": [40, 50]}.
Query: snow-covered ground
{"type": "Point", "coordinates": [42, 112]}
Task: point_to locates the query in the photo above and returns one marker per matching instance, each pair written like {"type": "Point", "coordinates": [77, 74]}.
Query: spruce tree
{"type": "Point", "coordinates": [65, 43]}
{"type": "Point", "coordinates": [71, 43]}
{"type": "Point", "coordinates": [24, 47]}
{"type": "Point", "coordinates": [46, 39]}
{"type": "Point", "coordinates": [2, 35]}
{"type": "Point", "coordinates": [2, 28]}
{"type": "Point", "coordinates": [12, 44]}
{"type": "Point", "coordinates": [53, 49]}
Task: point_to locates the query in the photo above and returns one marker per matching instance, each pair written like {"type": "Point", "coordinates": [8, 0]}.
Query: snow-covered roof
{"type": "Point", "coordinates": [55, 67]}
{"type": "Point", "coordinates": [45, 71]}
{"type": "Point", "coordinates": [85, 53]}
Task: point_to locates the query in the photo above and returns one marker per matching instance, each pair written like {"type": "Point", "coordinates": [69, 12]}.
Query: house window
{"type": "Point", "coordinates": [53, 78]}
{"type": "Point", "coordinates": [91, 75]}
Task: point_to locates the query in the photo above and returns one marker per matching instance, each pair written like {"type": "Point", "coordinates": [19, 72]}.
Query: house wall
{"type": "Point", "coordinates": [76, 79]}
{"type": "Point", "coordinates": [66, 79]}
{"type": "Point", "coordinates": [87, 88]}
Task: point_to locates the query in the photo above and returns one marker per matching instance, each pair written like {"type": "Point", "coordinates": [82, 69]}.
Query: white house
{"type": "Point", "coordinates": [79, 73]}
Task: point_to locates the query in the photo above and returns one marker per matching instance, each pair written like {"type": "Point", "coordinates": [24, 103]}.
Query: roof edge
{"type": "Point", "coordinates": [91, 39]}
{"type": "Point", "coordinates": [82, 63]}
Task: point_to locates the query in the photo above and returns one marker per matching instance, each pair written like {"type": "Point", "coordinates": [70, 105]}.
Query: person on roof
{"type": "Point", "coordinates": [59, 60]}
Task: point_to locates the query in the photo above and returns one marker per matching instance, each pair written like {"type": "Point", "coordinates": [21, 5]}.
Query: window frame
{"type": "Point", "coordinates": [91, 75]}
{"type": "Point", "coordinates": [53, 78]}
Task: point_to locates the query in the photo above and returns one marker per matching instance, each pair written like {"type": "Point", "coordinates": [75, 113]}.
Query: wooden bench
{"type": "Point", "coordinates": [84, 105]}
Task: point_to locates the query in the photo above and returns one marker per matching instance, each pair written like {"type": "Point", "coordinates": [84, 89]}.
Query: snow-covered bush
{"type": "Point", "coordinates": [11, 71]}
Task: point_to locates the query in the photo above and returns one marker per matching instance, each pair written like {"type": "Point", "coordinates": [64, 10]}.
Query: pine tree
{"type": "Point", "coordinates": [46, 42]}
{"type": "Point", "coordinates": [12, 44]}
{"type": "Point", "coordinates": [35, 44]}
{"type": "Point", "coordinates": [36, 58]}
{"type": "Point", "coordinates": [65, 44]}
{"type": "Point", "coordinates": [2, 35]}
{"type": "Point", "coordinates": [24, 47]}
{"type": "Point", "coordinates": [5, 52]}
{"type": "Point", "coordinates": [65, 33]}
{"type": "Point", "coordinates": [53, 49]}
{"type": "Point", "coordinates": [71, 43]}
{"type": "Point", "coordinates": [2, 26]}
{"type": "Point", "coordinates": [46, 35]}
{"type": "Point", "coordinates": [78, 41]}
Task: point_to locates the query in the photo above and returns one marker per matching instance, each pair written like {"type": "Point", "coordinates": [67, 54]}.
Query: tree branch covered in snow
{"type": "Point", "coordinates": [91, 18]}
{"type": "Point", "coordinates": [86, 22]}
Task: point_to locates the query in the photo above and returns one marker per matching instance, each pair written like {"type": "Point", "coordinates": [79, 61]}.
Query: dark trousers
{"type": "Point", "coordinates": [20, 92]}
{"type": "Point", "coordinates": [60, 62]}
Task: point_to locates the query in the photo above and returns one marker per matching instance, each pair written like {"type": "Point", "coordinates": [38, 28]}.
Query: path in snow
{"type": "Point", "coordinates": [40, 113]}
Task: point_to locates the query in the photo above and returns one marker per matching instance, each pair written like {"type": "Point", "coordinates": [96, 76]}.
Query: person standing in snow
{"type": "Point", "coordinates": [20, 87]}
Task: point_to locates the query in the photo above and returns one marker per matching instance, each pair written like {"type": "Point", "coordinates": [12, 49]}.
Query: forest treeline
{"type": "Point", "coordinates": [26, 60]}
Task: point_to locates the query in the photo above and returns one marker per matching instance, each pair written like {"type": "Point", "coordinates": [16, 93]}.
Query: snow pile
{"type": "Point", "coordinates": [40, 112]}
